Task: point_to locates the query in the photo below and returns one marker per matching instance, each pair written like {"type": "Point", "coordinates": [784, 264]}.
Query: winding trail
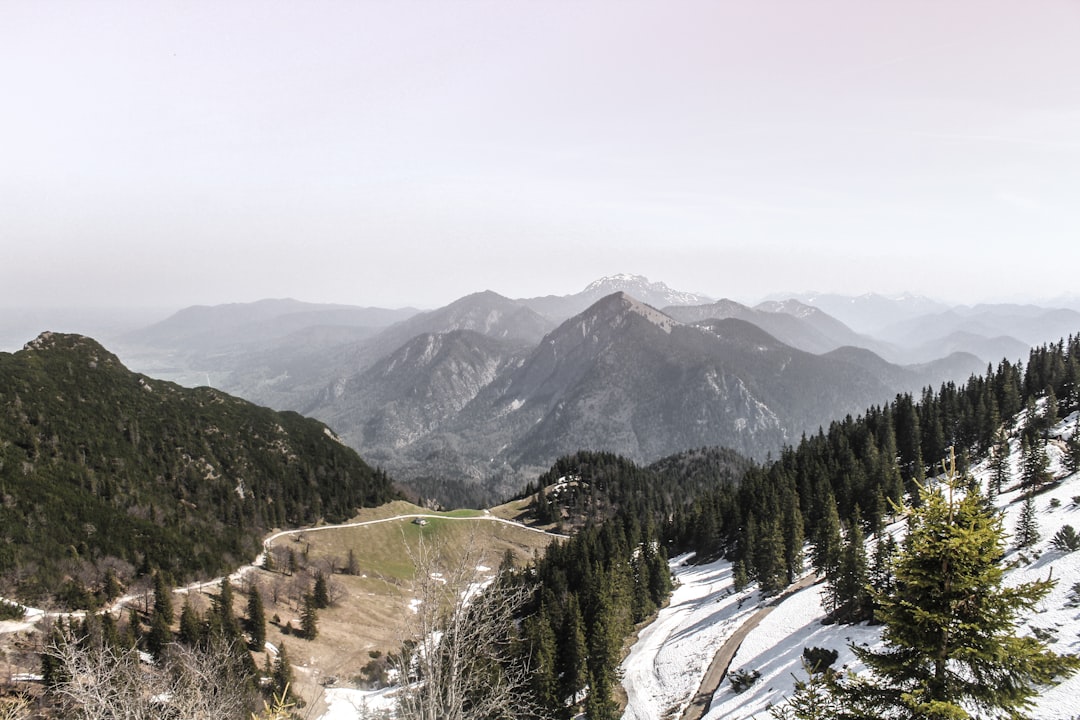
{"type": "Point", "coordinates": [721, 661]}
{"type": "Point", "coordinates": [33, 616]}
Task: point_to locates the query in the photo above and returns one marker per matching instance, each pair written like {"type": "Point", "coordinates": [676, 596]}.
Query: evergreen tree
{"type": "Point", "coordinates": [256, 618]}
{"type": "Point", "coordinates": [769, 566]}
{"type": "Point", "coordinates": [739, 578]}
{"type": "Point", "coordinates": [812, 699]}
{"type": "Point", "coordinates": [352, 566]}
{"type": "Point", "coordinates": [321, 594]}
{"type": "Point", "coordinates": [826, 550]}
{"type": "Point", "coordinates": [223, 618]}
{"type": "Point", "coordinates": [159, 636]}
{"type": "Point", "coordinates": [1034, 463]}
{"type": "Point", "coordinates": [112, 588]}
{"type": "Point", "coordinates": [543, 657]}
{"type": "Point", "coordinates": [1027, 525]}
{"type": "Point", "coordinates": [848, 596]}
{"type": "Point", "coordinates": [573, 652]}
{"type": "Point", "coordinates": [999, 462]}
{"type": "Point", "coordinates": [163, 605]}
{"type": "Point", "coordinates": [309, 619]}
{"type": "Point", "coordinates": [950, 641]}
{"type": "Point", "coordinates": [1072, 451]}
{"type": "Point", "coordinates": [190, 625]}
{"type": "Point", "coordinates": [282, 677]}
{"type": "Point", "coordinates": [881, 566]}
{"type": "Point", "coordinates": [793, 537]}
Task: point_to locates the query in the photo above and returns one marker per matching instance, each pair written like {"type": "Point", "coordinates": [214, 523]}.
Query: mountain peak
{"type": "Point", "coordinates": [657, 294]}
{"type": "Point", "coordinates": [618, 304]}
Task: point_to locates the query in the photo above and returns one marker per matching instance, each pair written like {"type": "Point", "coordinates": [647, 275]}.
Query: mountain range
{"type": "Point", "coordinates": [467, 402]}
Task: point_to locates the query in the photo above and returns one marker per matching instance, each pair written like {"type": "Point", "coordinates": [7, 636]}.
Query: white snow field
{"type": "Point", "coordinates": [666, 665]}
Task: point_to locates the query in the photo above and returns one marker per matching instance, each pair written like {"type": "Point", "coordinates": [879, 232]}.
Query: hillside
{"type": "Point", "coordinates": [669, 660]}
{"type": "Point", "coordinates": [107, 472]}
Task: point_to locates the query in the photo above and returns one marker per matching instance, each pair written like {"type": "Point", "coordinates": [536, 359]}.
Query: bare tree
{"type": "Point", "coordinates": [14, 707]}
{"type": "Point", "coordinates": [460, 661]}
{"type": "Point", "coordinates": [98, 682]}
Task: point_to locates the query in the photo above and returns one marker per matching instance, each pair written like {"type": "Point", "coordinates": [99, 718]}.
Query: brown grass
{"type": "Point", "coordinates": [372, 611]}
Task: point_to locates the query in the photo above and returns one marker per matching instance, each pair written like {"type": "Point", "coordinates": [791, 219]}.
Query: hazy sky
{"type": "Point", "coordinates": [393, 152]}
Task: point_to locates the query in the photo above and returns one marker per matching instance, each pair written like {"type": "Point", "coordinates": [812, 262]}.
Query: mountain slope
{"type": "Point", "coordinates": [626, 378]}
{"type": "Point", "coordinates": [101, 468]}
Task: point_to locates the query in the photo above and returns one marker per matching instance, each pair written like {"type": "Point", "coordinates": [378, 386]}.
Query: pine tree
{"type": "Point", "coordinates": [309, 619]}
{"type": "Point", "coordinates": [163, 605]}
{"type": "Point", "coordinates": [256, 618]}
{"type": "Point", "coordinates": [543, 657]}
{"type": "Point", "coordinates": [352, 566]}
{"type": "Point", "coordinates": [282, 677]}
{"type": "Point", "coordinates": [826, 550]}
{"type": "Point", "coordinates": [812, 699]}
{"type": "Point", "coordinates": [1072, 451]}
{"type": "Point", "coordinates": [949, 624]}
{"type": "Point", "coordinates": [190, 625]}
{"type": "Point", "coordinates": [1034, 463]}
{"type": "Point", "coordinates": [769, 567]}
{"type": "Point", "coordinates": [112, 587]}
{"type": "Point", "coordinates": [321, 593]}
{"type": "Point", "coordinates": [739, 578]}
{"type": "Point", "coordinates": [848, 596]}
{"type": "Point", "coordinates": [999, 462]}
{"type": "Point", "coordinates": [573, 652]}
{"type": "Point", "coordinates": [793, 537]}
{"type": "Point", "coordinates": [1027, 525]}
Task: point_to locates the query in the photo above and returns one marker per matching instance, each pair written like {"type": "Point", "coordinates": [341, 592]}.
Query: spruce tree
{"type": "Point", "coordinates": [848, 597]}
{"type": "Point", "coordinates": [321, 592]}
{"type": "Point", "coordinates": [281, 679]}
{"type": "Point", "coordinates": [1072, 451]}
{"type": "Point", "coordinates": [1034, 463]}
{"type": "Point", "coordinates": [739, 579]}
{"type": "Point", "coordinates": [793, 537]}
{"type": "Point", "coordinates": [950, 623]}
{"type": "Point", "coordinates": [309, 619]}
{"type": "Point", "coordinates": [573, 652]}
{"type": "Point", "coordinates": [1027, 526]}
{"type": "Point", "coordinates": [190, 625]}
{"type": "Point", "coordinates": [256, 618]}
{"type": "Point", "coordinates": [999, 462]}
{"type": "Point", "coordinates": [826, 551]}
{"type": "Point", "coordinates": [163, 605]}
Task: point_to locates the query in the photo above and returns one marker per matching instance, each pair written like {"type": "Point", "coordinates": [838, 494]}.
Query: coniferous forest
{"type": "Point", "coordinates": [829, 491]}
{"type": "Point", "coordinates": [106, 475]}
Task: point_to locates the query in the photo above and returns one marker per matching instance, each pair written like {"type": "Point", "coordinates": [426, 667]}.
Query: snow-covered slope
{"type": "Point", "coordinates": [665, 667]}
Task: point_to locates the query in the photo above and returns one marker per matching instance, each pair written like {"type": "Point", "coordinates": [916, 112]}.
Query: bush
{"type": "Point", "coordinates": [819, 659]}
{"type": "Point", "coordinates": [1066, 539]}
{"type": "Point", "coordinates": [1055, 503]}
{"type": "Point", "coordinates": [11, 611]}
{"type": "Point", "coordinates": [741, 680]}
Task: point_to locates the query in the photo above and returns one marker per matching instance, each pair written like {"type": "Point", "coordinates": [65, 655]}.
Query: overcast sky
{"type": "Point", "coordinates": [406, 153]}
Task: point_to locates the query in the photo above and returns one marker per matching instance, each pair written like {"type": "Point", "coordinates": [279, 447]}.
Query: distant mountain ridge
{"type": "Point", "coordinates": [621, 376]}
{"type": "Point", "coordinates": [483, 390]}
{"type": "Point", "coordinates": [656, 294]}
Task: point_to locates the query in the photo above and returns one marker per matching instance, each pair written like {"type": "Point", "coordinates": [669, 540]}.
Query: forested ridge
{"type": "Point", "coordinates": [107, 475]}
{"type": "Point", "coordinates": [824, 493]}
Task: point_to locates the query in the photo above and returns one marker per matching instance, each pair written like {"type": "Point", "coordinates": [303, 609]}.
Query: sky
{"type": "Point", "coordinates": [405, 152]}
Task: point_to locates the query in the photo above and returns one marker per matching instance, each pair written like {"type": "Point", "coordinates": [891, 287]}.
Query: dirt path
{"type": "Point", "coordinates": [35, 615]}
{"type": "Point", "coordinates": [722, 660]}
